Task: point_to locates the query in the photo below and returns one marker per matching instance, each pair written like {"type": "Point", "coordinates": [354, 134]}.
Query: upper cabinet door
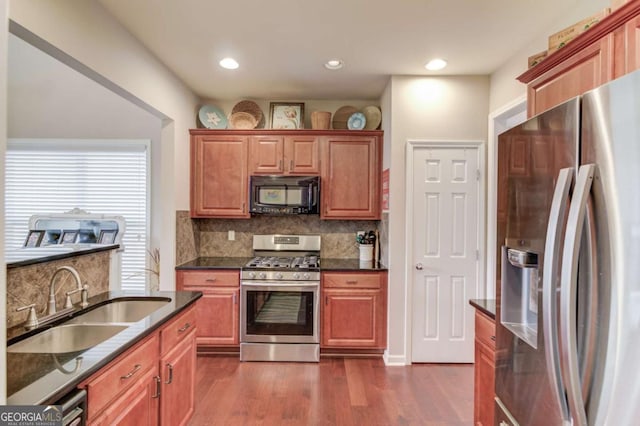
{"type": "Point", "coordinates": [284, 155]}
{"type": "Point", "coordinates": [266, 155]}
{"type": "Point", "coordinates": [219, 178]}
{"type": "Point", "coordinates": [350, 187]}
{"type": "Point", "coordinates": [302, 155]}
{"type": "Point", "coordinates": [586, 70]}
{"type": "Point", "coordinates": [632, 34]}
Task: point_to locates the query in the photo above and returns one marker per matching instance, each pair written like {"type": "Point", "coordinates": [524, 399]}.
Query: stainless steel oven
{"type": "Point", "coordinates": [279, 300]}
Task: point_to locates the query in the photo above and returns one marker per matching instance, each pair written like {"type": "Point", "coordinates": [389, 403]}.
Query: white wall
{"type": "Point", "coordinates": [436, 108]}
{"type": "Point", "coordinates": [4, 14]}
{"type": "Point", "coordinates": [84, 36]}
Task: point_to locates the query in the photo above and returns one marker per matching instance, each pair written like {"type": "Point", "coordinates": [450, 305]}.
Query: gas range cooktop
{"type": "Point", "coordinates": [287, 262]}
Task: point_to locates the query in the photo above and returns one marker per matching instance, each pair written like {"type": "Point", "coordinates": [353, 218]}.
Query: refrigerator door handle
{"type": "Point", "coordinates": [568, 289]}
{"type": "Point", "coordinates": [550, 288]}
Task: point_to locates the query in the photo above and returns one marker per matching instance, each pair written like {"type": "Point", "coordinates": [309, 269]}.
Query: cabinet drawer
{"type": "Point", "coordinates": [485, 330]}
{"type": "Point", "coordinates": [351, 280]}
{"type": "Point", "coordinates": [121, 375]}
{"type": "Point", "coordinates": [177, 329]}
{"type": "Point", "coordinates": [212, 278]}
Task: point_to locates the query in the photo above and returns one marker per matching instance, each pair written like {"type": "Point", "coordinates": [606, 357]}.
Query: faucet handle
{"type": "Point", "coordinates": [32, 319]}
{"type": "Point", "coordinates": [67, 302]}
{"type": "Point", "coordinates": [84, 296]}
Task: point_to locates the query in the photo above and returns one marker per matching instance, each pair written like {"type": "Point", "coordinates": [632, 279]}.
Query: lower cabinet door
{"type": "Point", "coordinates": [352, 319]}
{"type": "Point", "coordinates": [218, 316]}
{"type": "Point", "coordinates": [136, 407]}
{"type": "Point", "coordinates": [178, 368]}
{"type": "Point", "coordinates": [484, 386]}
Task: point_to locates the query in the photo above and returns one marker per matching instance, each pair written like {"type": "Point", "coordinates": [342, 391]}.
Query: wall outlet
{"type": "Point", "coordinates": [232, 235]}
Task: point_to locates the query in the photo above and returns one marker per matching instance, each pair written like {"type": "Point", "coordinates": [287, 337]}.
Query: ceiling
{"type": "Point", "coordinates": [281, 45]}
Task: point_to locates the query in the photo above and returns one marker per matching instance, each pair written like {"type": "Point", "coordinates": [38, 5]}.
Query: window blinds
{"type": "Point", "coordinates": [107, 177]}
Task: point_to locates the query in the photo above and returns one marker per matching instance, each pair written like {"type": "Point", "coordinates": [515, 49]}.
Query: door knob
{"type": "Point", "coordinates": [419, 266]}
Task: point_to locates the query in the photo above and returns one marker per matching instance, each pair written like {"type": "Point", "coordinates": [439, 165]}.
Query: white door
{"type": "Point", "coordinates": [445, 249]}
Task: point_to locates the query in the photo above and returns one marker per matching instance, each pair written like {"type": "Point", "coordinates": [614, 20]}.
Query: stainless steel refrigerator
{"type": "Point", "coordinates": [568, 314]}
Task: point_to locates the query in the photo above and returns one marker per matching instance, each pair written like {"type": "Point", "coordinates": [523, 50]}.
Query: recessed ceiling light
{"type": "Point", "coordinates": [229, 63]}
{"type": "Point", "coordinates": [436, 64]}
{"type": "Point", "coordinates": [334, 64]}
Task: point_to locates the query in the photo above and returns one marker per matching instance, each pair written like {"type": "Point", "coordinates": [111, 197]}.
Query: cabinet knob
{"type": "Point", "coordinates": [419, 266]}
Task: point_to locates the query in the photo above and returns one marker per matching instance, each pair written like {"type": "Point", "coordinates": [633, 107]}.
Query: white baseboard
{"type": "Point", "coordinates": [394, 360]}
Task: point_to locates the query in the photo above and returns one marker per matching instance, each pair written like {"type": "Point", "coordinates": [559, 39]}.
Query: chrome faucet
{"type": "Point", "coordinates": [83, 289]}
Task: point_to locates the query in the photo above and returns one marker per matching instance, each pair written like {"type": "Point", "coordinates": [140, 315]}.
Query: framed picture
{"type": "Point", "coordinates": [68, 237]}
{"type": "Point", "coordinates": [107, 236]}
{"type": "Point", "coordinates": [34, 238]}
{"type": "Point", "coordinates": [287, 115]}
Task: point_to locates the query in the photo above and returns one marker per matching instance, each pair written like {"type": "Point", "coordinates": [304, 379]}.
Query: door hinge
{"type": "Point", "coordinates": [477, 254]}
{"type": "Point", "coordinates": [478, 174]}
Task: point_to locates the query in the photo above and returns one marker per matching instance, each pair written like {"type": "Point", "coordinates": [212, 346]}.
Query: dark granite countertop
{"type": "Point", "coordinates": [215, 263]}
{"type": "Point", "coordinates": [42, 378]}
{"type": "Point", "coordinates": [488, 306]}
{"type": "Point", "coordinates": [239, 262]}
{"type": "Point", "coordinates": [350, 265]}
{"type": "Point", "coordinates": [33, 255]}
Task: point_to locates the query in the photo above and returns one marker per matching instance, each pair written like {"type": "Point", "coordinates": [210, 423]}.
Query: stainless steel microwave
{"type": "Point", "coordinates": [282, 195]}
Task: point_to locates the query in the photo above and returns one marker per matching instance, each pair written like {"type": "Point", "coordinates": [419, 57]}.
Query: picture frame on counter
{"type": "Point", "coordinates": [34, 238]}
{"type": "Point", "coordinates": [286, 115]}
{"type": "Point", "coordinates": [69, 237]}
{"type": "Point", "coordinates": [107, 236]}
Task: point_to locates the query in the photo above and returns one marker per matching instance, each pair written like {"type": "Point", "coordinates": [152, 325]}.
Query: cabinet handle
{"type": "Point", "coordinates": [235, 299]}
{"type": "Point", "coordinates": [493, 338]}
{"type": "Point", "coordinates": [352, 281]}
{"type": "Point", "coordinates": [170, 379]}
{"type": "Point", "coordinates": [326, 300]}
{"type": "Point", "coordinates": [290, 165]}
{"type": "Point", "coordinates": [184, 328]}
{"type": "Point", "coordinates": [210, 280]}
{"type": "Point", "coordinates": [131, 373]}
{"type": "Point", "coordinates": [158, 382]}
{"type": "Point", "coordinates": [242, 207]}
{"type": "Point", "coordinates": [280, 165]}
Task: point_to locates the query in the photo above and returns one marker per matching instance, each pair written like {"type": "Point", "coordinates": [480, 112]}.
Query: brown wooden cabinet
{"type": "Point", "coordinates": [288, 155]}
{"type": "Point", "coordinates": [153, 383]}
{"type": "Point", "coordinates": [586, 70]}
{"type": "Point", "coordinates": [178, 367]}
{"type": "Point", "coordinates": [484, 371]}
{"type": "Point", "coordinates": [136, 407]}
{"type": "Point", "coordinates": [354, 310]}
{"type": "Point", "coordinates": [608, 50]}
{"type": "Point", "coordinates": [218, 311]}
{"type": "Point", "coordinates": [351, 177]}
{"type": "Point", "coordinates": [219, 177]}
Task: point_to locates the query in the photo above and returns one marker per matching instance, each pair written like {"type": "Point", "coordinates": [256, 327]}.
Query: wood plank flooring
{"type": "Point", "coordinates": [337, 391]}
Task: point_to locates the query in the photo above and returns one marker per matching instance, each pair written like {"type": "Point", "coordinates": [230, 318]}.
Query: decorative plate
{"type": "Point", "coordinates": [212, 117]}
{"type": "Point", "coordinates": [253, 109]}
{"type": "Point", "coordinates": [242, 120]}
{"type": "Point", "coordinates": [373, 115]}
{"type": "Point", "coordinates": [341, 116]}
{"type": "Point", "coordinates": [357, 121]}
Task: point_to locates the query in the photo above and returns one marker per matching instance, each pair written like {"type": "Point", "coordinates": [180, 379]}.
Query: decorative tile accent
{"type": "Point", "coordinates": [30, 284]}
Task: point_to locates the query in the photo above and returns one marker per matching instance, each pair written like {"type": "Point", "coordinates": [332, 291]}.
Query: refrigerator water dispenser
{"type": "Point", "coordinates": [519, 297]}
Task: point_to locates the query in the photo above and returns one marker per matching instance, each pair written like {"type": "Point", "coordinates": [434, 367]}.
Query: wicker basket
{"type": "Point", "coordinates": [320, 120]}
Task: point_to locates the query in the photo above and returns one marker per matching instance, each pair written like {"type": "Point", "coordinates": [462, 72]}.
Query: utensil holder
{"type": "Point", "coordinates": [320, 120]}
{"type": "Point", "coordinates": [366, 251]}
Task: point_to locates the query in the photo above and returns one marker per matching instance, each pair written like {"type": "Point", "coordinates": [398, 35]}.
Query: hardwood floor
{"type": "Point", "coordinates": [337, 391]}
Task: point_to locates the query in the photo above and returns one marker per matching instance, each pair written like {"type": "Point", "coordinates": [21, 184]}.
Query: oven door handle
{"type": "Point", "coordinates": [280, 285]}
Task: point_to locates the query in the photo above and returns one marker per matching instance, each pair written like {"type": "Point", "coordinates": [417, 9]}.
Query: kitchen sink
{"type": "Point", "coordinates": [121, 311]}
{"type": "Point", "coordinates": [67, 338]}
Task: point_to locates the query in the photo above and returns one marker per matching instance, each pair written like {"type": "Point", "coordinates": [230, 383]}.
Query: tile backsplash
{"type": "Point", "coordinates": [209, 237]}
{"type": "Point", "coordinates": [30, 284]}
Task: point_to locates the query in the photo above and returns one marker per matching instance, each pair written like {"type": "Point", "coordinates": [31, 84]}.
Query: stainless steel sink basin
{"type": "Point", "coordinates": [67, 338]}
{"type": "Point", "coordinates": [120, 311]}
